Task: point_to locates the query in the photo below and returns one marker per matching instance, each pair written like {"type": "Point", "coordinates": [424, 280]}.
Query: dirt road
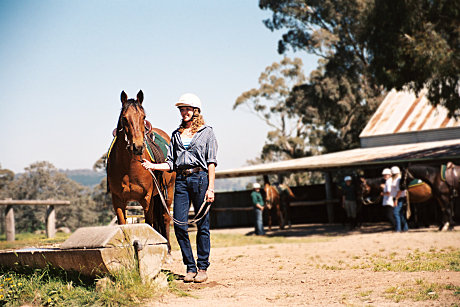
{"type": "Point", "coordinates": [330, 267]}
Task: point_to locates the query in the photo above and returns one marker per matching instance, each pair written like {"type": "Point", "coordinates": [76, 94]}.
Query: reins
{"type": "Point", "coordinates": [192, 221]}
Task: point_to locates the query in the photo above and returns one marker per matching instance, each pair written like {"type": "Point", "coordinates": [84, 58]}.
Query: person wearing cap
{"type": "Point", "coordinates": [349, 200]}
{"type": "Point", "coordinates": [387, 201]}
{"type": "Point", "coordinates": [192, 154]}
{"type": "Point", "coordinates": [258, 203]}
{"type": "Point", "coordinates": [399, 201]}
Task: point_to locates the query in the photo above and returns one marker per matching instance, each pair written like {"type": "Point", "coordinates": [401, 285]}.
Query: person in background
{"type": "Point", "coordinates": [387, 201]}
{"type": "Point", "coordinates": [192, 155]}
{"type": "Point", "coordinates": [399, 201]}
{"type": "Point", "coordinates": [258, 204]}
{"type": "Point", "coordinates": [349, 201]}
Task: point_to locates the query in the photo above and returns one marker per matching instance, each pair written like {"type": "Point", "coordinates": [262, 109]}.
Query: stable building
{"type": "Point", "coordinates": [406, 128]}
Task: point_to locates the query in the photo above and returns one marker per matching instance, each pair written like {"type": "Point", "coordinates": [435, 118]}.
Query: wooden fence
{"type": "Point", "coordinates": [50, 214]}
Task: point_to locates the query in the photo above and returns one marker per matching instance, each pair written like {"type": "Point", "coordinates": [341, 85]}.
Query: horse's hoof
{"type": "Point", "coordinates": [446, 227]}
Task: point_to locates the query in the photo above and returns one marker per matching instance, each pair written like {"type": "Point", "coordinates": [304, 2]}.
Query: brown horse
{"type": "Point", "coordinates": [286, 195]}
{"type": "Point", "coordinates": [444, 190]}
{"type": "Point", "coordinates": [127, 179]}
{"type": "Point", "coordinates": [272, 202]}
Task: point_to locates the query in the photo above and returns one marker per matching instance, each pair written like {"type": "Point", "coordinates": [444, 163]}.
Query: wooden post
{"type": "Point", "coordinates": [50, 221]}
{"type": "Point", "coordinates": [9, 223]}
{"type": "Point", "coordinates": [329, 202]}
{"type": "Point", "coordinates": [50, 214]}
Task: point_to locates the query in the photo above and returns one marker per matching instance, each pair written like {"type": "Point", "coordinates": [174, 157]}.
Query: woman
{"type": "Point", "coordinates": [399, 198]}
{"type": "Point", "coordinates": [192, 155]}
{"type": "Point", "coordinates": [387, 201]}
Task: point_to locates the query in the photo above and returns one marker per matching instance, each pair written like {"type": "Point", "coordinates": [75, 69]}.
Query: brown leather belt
{"type": "Point", "coordinates": [189, 171]}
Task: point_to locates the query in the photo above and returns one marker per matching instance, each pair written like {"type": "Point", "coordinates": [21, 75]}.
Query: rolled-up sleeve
{"type": "Point", "coordinates": [211, 149]}
{"type": "Point", "coordinates": [170, 155]}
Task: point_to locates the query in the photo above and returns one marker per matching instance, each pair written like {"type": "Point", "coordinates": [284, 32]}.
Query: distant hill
{"type": "Point", "coordinates": [86, 177]}
{"type": "Point", "coordinates": [90, 178]}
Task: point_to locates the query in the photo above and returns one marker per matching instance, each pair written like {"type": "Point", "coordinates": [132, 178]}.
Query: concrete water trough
{"type": "Point", "coordinates": [95, 251]}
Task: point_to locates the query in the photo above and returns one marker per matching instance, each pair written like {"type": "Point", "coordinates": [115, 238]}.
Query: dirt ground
{"type": "Point", "coordinates": [330, 267]}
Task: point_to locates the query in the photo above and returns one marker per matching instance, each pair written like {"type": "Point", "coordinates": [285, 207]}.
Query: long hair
{"type": "Point", "coordinates": [197, 122]}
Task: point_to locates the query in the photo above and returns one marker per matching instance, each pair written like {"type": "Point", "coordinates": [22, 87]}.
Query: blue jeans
{"type": "Point", "coordinates": [399, 214]}
{"type": "Point", "coordinates": [259, 222]}
{"type": "Point", "coordinates": [188, 189]}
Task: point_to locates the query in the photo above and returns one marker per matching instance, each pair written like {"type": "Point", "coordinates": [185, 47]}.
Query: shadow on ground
{"type": "Point", "coordinates": [325, 230]}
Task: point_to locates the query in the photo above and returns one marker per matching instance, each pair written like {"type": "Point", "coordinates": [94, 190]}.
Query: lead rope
{"type": "Point", "coordinates": [192, 221]}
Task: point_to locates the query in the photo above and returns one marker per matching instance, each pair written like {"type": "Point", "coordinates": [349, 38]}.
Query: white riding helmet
{"type": "Point", "coordinates": [395, 170]}
{"type": "Point", "coordinates": [256, 186]}
{"type": "Point", "coordinates": [347, 178]}
{"type": "Point", "coordinates": [189, 100]}
{"type": "Point", "coordinates": [386, 171]}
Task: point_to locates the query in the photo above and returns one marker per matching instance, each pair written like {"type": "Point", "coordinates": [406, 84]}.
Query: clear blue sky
{"type": "Point", "coordinates": [63, 65]}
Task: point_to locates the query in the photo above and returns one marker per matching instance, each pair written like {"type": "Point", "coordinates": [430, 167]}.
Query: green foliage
{"type": "Point", "coordinates": [289, 138]}
{"type": "Point", "coordinates": [415, 44]}
{"type": "Point", "coordinates": [342, 93]}
{"type": "Point", "coordinates": [42, 181]}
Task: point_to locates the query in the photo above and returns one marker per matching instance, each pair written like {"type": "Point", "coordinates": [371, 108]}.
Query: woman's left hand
{"type": "Point", "coordinates": [209, 196]}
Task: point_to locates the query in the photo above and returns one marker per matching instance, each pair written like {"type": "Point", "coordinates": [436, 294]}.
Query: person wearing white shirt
{"type": "Point", "coordinates": [387, 201]}
{"type": "Point", "coordinates": [399, 201]}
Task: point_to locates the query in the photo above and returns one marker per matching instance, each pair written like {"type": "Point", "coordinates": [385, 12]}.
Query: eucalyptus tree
{"type": "Point", "coordinates": [341, 94]}
{"type": "Point", "coordinates": [416, 44]}
{"type": "Point", "coordinates": [289, 137]}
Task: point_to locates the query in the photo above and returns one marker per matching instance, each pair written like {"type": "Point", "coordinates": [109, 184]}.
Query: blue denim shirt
{"type": "Point", "coordinates": [201, 151]}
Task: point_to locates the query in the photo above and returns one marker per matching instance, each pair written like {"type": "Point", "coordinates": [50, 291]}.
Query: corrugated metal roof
{"type": "Point", "coordinates": [404, 112]}
{"type": "Point", "coordinates": [359, 157]}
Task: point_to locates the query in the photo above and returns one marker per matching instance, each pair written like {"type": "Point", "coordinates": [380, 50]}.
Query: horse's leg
{"type": "Point", "coordinates": [288, 213]}
{"type": "Point", "coordinates": [148, 211]}
{"type": "Point", "coordinates": [279, 214]}
{"type": "Point", "coordinates": [119, 208]}
{"type": "Point", "coordinates": [269, 211]}
{"type": "Point", "coordinates": [443, 202]}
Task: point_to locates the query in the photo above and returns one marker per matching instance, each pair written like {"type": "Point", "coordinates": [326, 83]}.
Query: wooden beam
{"type": "Point", "coordinates": [29, 202]}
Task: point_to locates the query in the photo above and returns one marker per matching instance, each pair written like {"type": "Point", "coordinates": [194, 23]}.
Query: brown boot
{"type": "Point", "coordinates": [201, 276]}
{"type": "Point", "coordinates": [190, 277]}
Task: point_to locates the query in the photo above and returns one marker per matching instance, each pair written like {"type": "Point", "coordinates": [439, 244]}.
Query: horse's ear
{"type": "Point", "coordinates": [140, 96]}
{"type": "Point", "coordinates": [123, 97]}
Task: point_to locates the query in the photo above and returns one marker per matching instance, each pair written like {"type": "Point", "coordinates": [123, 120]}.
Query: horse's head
{"type": "Point", "coordinates": [365, 189]}
{"type": "Point", "coordinates": [131, 122]}
{"type": "Point", "coordinates": [406, 178]}
{"type": "Point", "coordinates": [371, 189]}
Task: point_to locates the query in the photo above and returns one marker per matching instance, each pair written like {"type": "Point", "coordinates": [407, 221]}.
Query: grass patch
{"type": "Point", "coordinates": [228, 240]}
{"type": "Point", "coordinates": [31, 239]}
{"type": "Point", "coordinates": [422, 291]}
{"type": "Point", "coordinates": [419, 261]}
{"type": "Point", "coordinates": [54, 287]}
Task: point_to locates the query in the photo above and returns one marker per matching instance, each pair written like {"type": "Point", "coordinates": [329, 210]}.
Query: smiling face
{"type": "Point", "coordinates": [186, 113]}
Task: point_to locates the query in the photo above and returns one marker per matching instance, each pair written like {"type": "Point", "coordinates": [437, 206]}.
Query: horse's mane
{"type": "Point", "coordinates": [131, 102]}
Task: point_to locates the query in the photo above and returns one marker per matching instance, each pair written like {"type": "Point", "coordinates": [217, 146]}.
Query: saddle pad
{"type": "Point", "coordinates": [443, 172]}
{"type": "Point", "coordinates": [162, 143]}
{"type": "Point", "coordinates": [415, 183]}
